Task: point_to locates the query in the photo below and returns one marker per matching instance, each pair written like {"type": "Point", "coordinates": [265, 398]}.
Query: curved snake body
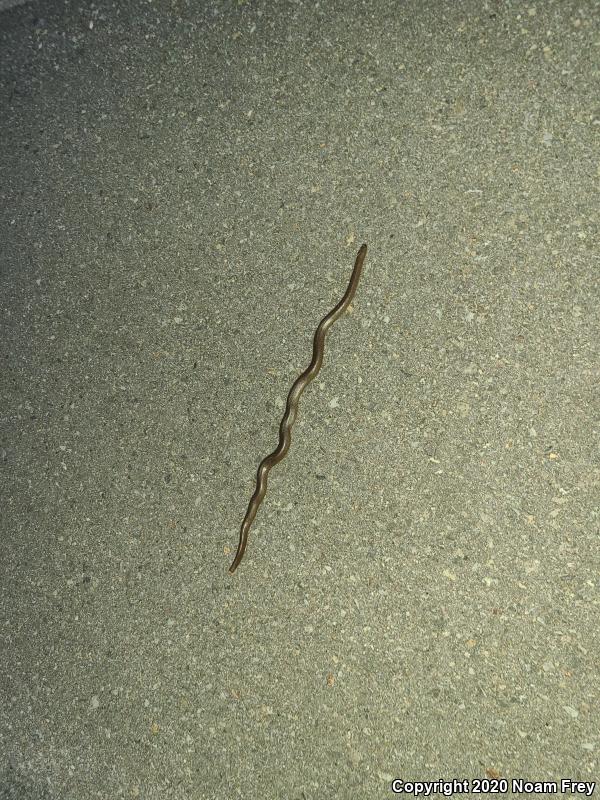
{"type": "Point", "coordinates": [291, 408]}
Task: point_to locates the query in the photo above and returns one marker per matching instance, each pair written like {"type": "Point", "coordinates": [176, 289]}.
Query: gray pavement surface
{"type": "Point", "coordinates": [6, 4]}
{"type": "Point", "coordinates": [183, 189]}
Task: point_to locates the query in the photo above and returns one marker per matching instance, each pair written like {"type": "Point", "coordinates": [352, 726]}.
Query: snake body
{"type": "Point", "coordinates": [291, 408]}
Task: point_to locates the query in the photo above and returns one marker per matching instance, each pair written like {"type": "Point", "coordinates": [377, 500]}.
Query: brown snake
{"type": "Point", "coordinates": [291, 408]}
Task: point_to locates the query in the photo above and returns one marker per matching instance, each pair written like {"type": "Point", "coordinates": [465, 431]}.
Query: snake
{"type": "Point", "coordinates": [291, 408]}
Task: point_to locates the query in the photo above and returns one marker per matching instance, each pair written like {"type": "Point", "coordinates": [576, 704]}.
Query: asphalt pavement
{"type": "Point", "coordinates": [183, 191]}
